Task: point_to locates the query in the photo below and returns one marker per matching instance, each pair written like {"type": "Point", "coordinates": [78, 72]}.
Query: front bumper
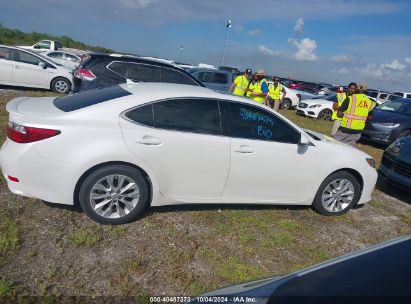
{"type": "Point", "coordinates": [306, 112]}
{"type": "Point", "coordinates": [391, 173]}
{"type": "Point", "coordinates": [377, 134]}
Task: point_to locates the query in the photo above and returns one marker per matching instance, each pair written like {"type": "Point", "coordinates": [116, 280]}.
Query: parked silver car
{"type": "Point", "coordinates": [217, 80]}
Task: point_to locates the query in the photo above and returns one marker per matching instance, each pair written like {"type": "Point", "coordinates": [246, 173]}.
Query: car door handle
{"type": "Point", "coordinates": [244, 149]}
{"type": "Point", "coordinates": [148, 140]}
{"type": "Point", "coordinates": [17, 67]}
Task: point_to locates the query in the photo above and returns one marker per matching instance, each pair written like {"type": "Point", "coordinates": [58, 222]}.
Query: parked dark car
{"type": "Point", "coordinates": [379, 274]}
{"type": "Point", "coordinates": [389, 121]}
{"type": "Point", "coordinates": [396, 163]}
{"type": "Point", "coordinates": [103, 70]}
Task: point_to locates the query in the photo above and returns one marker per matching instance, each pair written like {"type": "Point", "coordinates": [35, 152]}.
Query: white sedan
{"type": "Point", "coordinates": [23, 68]}
{"type": "Point", "coordinates": [67, 59]}
{"type": "Point", "coordinates": [118, 149]}
{"type": "Point", "coordinates": [321, 108]}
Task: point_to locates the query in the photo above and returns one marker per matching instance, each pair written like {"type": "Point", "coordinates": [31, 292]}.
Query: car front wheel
{"type": "Point", "coordinates": [337, 194]}
{"type": "Point", "coordinates": [286, 104]}
{"type": "Point", "coordinates": [114, 194]}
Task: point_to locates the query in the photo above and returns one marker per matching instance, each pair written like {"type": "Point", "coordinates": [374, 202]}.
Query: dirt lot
{"type": "Point", "coordinates": [51, 250]}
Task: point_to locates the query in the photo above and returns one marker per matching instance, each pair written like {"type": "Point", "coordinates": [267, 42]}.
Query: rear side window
{"type": "Point", "coordinates": [4, 53]}
{"type": "Point", "coordinates": [55, 55]}
{"type": "Point", "coordinates": [204, 76]}
{"type": "Point", "coordinates": [408, 95]}
{"type": "Point", "coordinates": [88, 98]}
{"type": "Point", "coordinates": [142, 115]}
{"type": "Point", "coordinates": [188, 115]}
{"type": "Point", "coordinates": [142, 72]}
{"type": "Point", "coordinates": [120, 68]}
{"type": "Point", "coordinates": [172, 76]}
{"type": "Point", "coordinates": [246, 121]}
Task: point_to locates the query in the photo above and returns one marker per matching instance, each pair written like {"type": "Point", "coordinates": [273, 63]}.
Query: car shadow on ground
{"type": "Point", "coordinates": [13, 88]}
{"type": "Point", "coordinates": [395, 191]}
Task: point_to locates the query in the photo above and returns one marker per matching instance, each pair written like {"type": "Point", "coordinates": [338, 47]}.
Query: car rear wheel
{"type": "Point", "coordinates": [114, 194]}
{"type": "Point", "coordinates": [286, 104]}
{"type": "Point", "coordinates": [337, 194]}
{"type": "Point", "coordinates": [61, 85]}
{"type": "Point", "coordinates": [325, 114]}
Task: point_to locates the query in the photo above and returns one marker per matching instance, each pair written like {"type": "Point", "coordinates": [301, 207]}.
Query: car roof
{"type": "Point", "coordinates": [134, 58]}
{"type": "Point", "coordinates": [210, 70]}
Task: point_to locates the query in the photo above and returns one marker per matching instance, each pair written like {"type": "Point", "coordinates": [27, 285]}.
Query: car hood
{"type": "Point", "coordinates": [387, 116]}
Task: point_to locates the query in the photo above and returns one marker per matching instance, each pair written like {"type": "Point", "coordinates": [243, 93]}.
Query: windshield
{"type": "Point", "coordinates": [398, 106]}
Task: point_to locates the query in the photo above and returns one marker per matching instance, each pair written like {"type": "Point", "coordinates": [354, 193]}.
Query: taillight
{"type": "Point", "coordinates": [22, 134]}
{"type": "Point", "coordinates": [84, 74]}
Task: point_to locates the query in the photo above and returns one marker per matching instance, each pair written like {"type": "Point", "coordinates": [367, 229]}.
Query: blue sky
{"type": "Point", "coordinates": [334, 41]}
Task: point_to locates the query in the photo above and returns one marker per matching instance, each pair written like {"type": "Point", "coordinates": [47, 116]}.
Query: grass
{"type": "Point", "coordinates": [235, 269]}
{"type": "Point", "coordinates": [90, 236]}
{"type": "Point", "coordinates": [9, 235]}
{"type": "Point", "coordinates": [6, 288]}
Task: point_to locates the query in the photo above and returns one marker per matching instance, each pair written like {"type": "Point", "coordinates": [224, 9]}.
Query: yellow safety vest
{"type": "Point", "coordinates": [340, 98]}
{"type": "Point", "coordinates": [357, 112]}
{"type": "Point", "coordinates": [241, 85]}
{"type": "Point", "coordinates": [275, 93]}
{"type": "Point", "coordinates": [251, 87]}
{"type": "Point", "coordinates": [257, 89]}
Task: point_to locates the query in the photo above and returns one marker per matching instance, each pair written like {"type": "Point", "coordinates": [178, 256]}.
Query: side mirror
{"type": "Point", "coordinates": [42, 64]}
{"type": "Point", "coordinates": [36, 46]}
{"type": "Point", "coordinates": [304, 140]}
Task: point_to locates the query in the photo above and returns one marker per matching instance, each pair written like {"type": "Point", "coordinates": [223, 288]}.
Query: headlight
{"type": "Point", "coordinates": [371, 162]}
{"type": "Point", "coordinates": [315, 106]}
{"type": "Point", "coordinates": [388, 125]}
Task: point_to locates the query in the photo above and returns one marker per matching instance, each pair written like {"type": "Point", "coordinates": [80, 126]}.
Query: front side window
{"type": "Point", "coordinates": [172, 76]}
{"type": "Point", "coordinates": [220, 78]}
{"type": "Point", "coordinates": [4, 53]}
{"type": "Point", "coordinates": [383, 96]}
{"type": "Point", "coordinates": [143, 72]}
{"type": "Point", "coordinates": [24, 57]}
{"type": "Point", "coordinates": [246, 121]}
{"type": "Point", "coordinates": [44, 45]}
{"type": "Point", "coordinates": [188, 115]}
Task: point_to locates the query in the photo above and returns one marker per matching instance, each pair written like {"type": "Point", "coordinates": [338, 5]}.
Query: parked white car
{"type": "Point", "coordinates": [20, 67]}
{"type": "Point", "coordinates": [321, 108]}
{"type": "Point", "coordinates": [118, 149]}
{"type": "Point", "coordinates": [67, 59]}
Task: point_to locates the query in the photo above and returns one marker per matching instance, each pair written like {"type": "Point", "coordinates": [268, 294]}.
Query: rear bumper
{"type": "Point", "coordinates": [41, 178]}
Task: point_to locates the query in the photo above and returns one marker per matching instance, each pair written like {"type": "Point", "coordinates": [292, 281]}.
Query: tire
{"type": "Point", "coordinates": [344, 202]}
{"type": "Point", "coordinates": [105, 184]}
{"type": "Point", "coordinates": [61, 85]}
{"type": "Point", "coordinates": [325, 114]}
{"type": "Point", "coordinates": [286, 104]}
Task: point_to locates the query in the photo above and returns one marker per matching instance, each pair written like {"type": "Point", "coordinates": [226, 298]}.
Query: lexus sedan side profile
{"type": "Point", "coordinates": [116, 150]}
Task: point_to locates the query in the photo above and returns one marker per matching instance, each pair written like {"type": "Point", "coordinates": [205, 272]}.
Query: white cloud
{"type": "Point", "coordinates": [407, 60]}
{"type": "Point", "coordinates": [306, 48]}
{"type": "Point", "coordinates": [299, 26]}
{"type": "Point", "coordinates": [343, 71]}
{"type": "Point", "coordinates": [341, 58]}
{"type": "Point", "coordinates": [253, 33]}
{"type": "Point", "coordinates": [267, 51]}
{"type": "Point", "coordinates": [395, 65]}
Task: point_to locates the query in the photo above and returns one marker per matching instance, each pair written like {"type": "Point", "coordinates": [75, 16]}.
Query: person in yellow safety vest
{"type": "Point", "coordinates": [240, 83]}
{"type": "Point", "coordinates": [250, 88]}
{"type": "Point", "coordinates": [354, 112]}
{"type": "Point", "coordinates": [339, 98]}
{"type": "Point", "coordinates": [274, 97]}
{"type": "Point", "coordinates": [260, 89]}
